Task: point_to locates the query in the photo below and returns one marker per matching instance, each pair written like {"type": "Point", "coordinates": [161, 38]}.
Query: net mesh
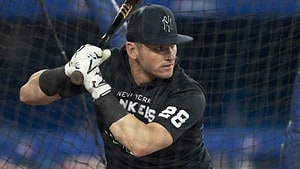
{"type": "Point", "coordinates": [245, 54]}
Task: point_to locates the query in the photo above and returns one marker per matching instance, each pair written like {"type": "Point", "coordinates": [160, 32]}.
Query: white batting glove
{"type": "Point", "coordinates": [87, 60]}
{"type": "Point", "coordinates": [95, 84]}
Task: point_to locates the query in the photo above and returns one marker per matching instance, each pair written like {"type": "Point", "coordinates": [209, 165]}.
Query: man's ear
{"type": "Point", "coordinates": [132, 50]}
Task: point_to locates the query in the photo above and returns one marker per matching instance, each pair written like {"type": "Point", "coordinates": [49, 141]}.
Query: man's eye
{"type": "Point", "coordinates": [159, 48]}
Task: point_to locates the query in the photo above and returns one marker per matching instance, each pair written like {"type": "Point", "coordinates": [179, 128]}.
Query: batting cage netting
{"type": "Point", "coordinates": [245, 54]}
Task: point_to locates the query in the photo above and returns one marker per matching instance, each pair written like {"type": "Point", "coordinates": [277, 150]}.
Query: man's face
{"type": "Point", "coordinates": [157, 61]}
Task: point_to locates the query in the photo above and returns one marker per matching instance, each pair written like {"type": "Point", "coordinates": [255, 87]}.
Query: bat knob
{"type": "Point", "coordinates": [76, 78]}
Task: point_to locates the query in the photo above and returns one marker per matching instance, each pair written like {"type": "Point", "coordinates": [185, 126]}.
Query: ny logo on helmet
{"type": "Point", "coordinates": [167, 22]}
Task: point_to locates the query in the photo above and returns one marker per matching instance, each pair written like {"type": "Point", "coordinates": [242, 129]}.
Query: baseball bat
{"type": "Point", "coordinates": [128, 6]}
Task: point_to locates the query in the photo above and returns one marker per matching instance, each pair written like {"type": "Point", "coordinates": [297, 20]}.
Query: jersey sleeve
{"type": "Point", "coordinates": [183, 108]}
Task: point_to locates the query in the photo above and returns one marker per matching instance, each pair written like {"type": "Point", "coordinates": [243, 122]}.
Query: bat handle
{"type": "Point", "coordinates": [76, 77]}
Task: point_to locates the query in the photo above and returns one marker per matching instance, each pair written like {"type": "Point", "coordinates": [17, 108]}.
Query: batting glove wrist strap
{"type": "Point", "coordinates": [97, 90]}
{"type": "Point", "coordinates": [109, 108]}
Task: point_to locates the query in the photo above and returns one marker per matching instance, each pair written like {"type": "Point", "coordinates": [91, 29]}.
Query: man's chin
{"type": "Point", "coordinates": [166, 75]}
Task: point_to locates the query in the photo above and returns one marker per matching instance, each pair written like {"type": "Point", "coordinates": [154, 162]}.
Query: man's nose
{"type": "Point", "coordinates": [170, 53]}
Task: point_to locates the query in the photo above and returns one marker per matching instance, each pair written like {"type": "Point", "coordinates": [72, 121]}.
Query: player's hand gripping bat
{"type": "Point", "coordinates": [126, 9]}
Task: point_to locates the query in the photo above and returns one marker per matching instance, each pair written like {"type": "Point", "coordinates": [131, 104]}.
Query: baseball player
{"type": "Point", "coordinates": [149, 112]}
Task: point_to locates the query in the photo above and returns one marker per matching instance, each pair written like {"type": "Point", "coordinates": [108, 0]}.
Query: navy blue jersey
{"type": "Point", "coordinates": [176, 103]}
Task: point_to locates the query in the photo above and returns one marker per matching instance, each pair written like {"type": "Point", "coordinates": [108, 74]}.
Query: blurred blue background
{"type": "Point", "coordinates": [189, 8]}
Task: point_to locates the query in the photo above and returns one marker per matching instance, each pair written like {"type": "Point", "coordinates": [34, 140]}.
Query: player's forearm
{"type": "Point", "coordinates": [30, 93]}
{"type": "Point", "coordinates": [46, 86]}
{"type": "Point", "coordinates": [140, 138]}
